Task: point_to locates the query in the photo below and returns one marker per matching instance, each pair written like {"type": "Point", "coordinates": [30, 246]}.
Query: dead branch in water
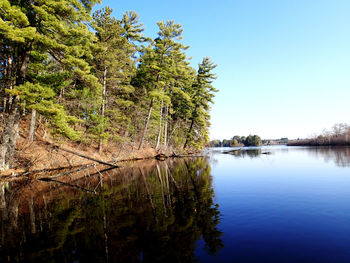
{"type": "Point", "coordinates": [78, 170]}
{"type": "Point", "coordinates": [73, 171]}
{"type": "Point", "coordinates": [67, 184]}
{"type": "Point", "coordinates": [41, 171]}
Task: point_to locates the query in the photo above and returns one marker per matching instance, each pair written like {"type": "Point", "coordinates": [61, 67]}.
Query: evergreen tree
{"type": "Point", "coordinates": [202, 94]}
{"type": "Point", "coordinates": [132, 27]}
{"type": "Point", "coordinates": [163, 67]}
{"type": "Point", "coordinates": [114, 67]}
{"type": "Point", "coordinates": [54, 28]}
{"type": "Point", "coordinates": [79, 73]}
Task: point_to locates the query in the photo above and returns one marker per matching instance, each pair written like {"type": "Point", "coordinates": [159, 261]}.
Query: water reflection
{"type": "Point", "coordinates": [339, 155]}
{"type": "Point", "coordinates": [149, 213]}
{"type": "Point", "coordinates": [242, 153]}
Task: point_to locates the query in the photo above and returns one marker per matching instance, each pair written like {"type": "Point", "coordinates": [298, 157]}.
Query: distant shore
{"type": "Point", "coordinates": [318, 142]}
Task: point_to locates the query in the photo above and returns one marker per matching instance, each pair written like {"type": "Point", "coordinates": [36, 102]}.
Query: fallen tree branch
{"type": "Point", "coordinates": [70, 172]}
{"type": "Point", "coordinates": [67, 184]}
{"type": "Point", "coordinates": [84, 156]}
{"type": "Point", "coordinates": [40, 171]}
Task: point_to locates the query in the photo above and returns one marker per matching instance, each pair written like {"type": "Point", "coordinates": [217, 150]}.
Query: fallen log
{"type": "Point", "coordinates": [72, 171]}
{"type": "Point", "coordinates": [86, 157]}
{"type": "Point", "coordinates": [41, 171]}
{"type": "Point", "coordinates": [161, 157]}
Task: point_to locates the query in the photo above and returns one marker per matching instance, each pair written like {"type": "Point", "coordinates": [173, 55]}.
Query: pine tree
{"type": "Point", "coordinates": [159, 71]}
{"type": "Point", "coordinates": [132, 27]}
{"type": "Point", "coordinates": [202, 95]}
{"type": "Point", "coordinates": [54, 28]}
{"type": "Point", "coordinates": [80, 75]}
{"type": "Point", "coordinates": [114, 66]}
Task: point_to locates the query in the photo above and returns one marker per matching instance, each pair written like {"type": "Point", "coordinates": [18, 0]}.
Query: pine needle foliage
{"type": "Point", "coordinates": [98, 79]}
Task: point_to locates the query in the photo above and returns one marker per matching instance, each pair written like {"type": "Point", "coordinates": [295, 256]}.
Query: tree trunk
{"type": "Point", "coordinates": [191, 126]}
{"type": "Point", "coordinates": [32, 214]}
{"type": "Point", "coordinates": [161, 188]}
{"type": "Point", "coordinates": [169, 138]}
{"type": "Point", "coordinates": [17, 71]}
{"type": "Point", "coordinates": [5, 105]}
{"type": "Point", "coordinates": [3, 212]}
{"type": "Point", "coordinates": [100, 144]}
{"type": "Point", "coordinates": [149, 195]}
{"type": "Point", "coordinates": [3, 186]}
{"type": "Point", "coordinates": [166, 126]}
{"type": "Point", "coordinates": [10, 83]}
{"type": "Point", "coordinates": [148, 117]}
{"type": "Point", "coordinates": [167, 184]}
{"type": "Point", "coordinates": [8, 139]}
{"type": "Point", "coordinates": [188, 133]}
{"type": "Point", "coordinates": [45, 130]}
{"type": "Point", "coordinates": [160, 126]}
{"type": "Point", "coordinates": [146, 124]}
{"type": "Point", "coordinates": [31, 131]}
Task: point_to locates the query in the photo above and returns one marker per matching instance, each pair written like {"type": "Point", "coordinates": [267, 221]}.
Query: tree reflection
{"type": "Point", "coordinates": [242, 153]}
{"type": "Point", "coordinates": [339, 155]}
{"type": "Point", "coordinates": [142, 214]}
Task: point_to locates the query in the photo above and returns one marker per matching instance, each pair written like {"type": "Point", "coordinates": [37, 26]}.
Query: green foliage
{"type": "Point", "coordinates": [252, 140]}
{"type": "Point", "coordinates": [46, 45]}
{"type": "Point", "coordinates": [132, 27]}
{"type": "Point", "coordinates": [202, 93]}
{"type": "Point", "coordinates": [97, 125]}
{"type": "Point", "coordinates": [97, 75]}
{"type": "Point", "coordinates": [31, 93]}
{"type": "Point", "coordinates": [215, 143]}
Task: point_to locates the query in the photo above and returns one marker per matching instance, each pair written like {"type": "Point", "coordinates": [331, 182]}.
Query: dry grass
{"type": "Point", "coordinates": [43, 154]}
{"type": "Point", "coordinates": [323, 140]}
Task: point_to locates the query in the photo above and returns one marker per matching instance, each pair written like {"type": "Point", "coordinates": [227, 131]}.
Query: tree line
{"type": "Point", "coordinates": [338, 135]}
{"type": "Point", "coordinates": [250, 140]}
{"type": "Point", "coordinates": [96, 79]}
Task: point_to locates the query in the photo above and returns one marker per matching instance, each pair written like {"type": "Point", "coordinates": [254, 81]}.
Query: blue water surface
{"type": "Point", "coordinates": [289, 205]}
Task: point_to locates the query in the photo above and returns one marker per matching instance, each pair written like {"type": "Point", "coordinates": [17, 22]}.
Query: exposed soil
{"type": "Point", "coordinates": [50, 156]}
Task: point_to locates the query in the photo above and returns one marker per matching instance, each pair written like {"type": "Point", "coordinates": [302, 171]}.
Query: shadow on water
{"type": "Point", "coordinates": [152, 213]}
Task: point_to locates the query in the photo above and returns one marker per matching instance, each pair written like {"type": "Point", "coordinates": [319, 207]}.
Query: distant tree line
{"type": "Point", "coordinates": [96, 79]}
{"type": "Point", "coordinates": [284, 140]}
{"type": "Point", "coordinates": [250, 140]}
{"type": "Point", "coordinates": [338, 135]}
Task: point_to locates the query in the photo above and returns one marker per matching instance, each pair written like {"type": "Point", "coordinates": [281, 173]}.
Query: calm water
{"type": "Point", "coordinates": [275, 204]}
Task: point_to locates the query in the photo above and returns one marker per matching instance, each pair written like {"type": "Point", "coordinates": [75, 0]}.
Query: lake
{"type": "Point", "coordinates": [269, 204]}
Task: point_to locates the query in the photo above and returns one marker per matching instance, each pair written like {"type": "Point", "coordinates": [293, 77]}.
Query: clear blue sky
{"type": "Point", "coordinates": [283, 65]}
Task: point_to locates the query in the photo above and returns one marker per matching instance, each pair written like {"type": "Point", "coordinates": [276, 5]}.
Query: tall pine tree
{"type": "Point", "coordinates": [53, 27]}
{"type": "Point", "coordinates": [158, 73]}
{"type": "Point", "coordinates": [202, 95]}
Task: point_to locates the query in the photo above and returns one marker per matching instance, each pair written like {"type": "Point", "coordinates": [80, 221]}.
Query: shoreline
{"type": "Point", "coordinates": [316, 143]}
{"type": "Point", "coordinates": [49, 157]}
